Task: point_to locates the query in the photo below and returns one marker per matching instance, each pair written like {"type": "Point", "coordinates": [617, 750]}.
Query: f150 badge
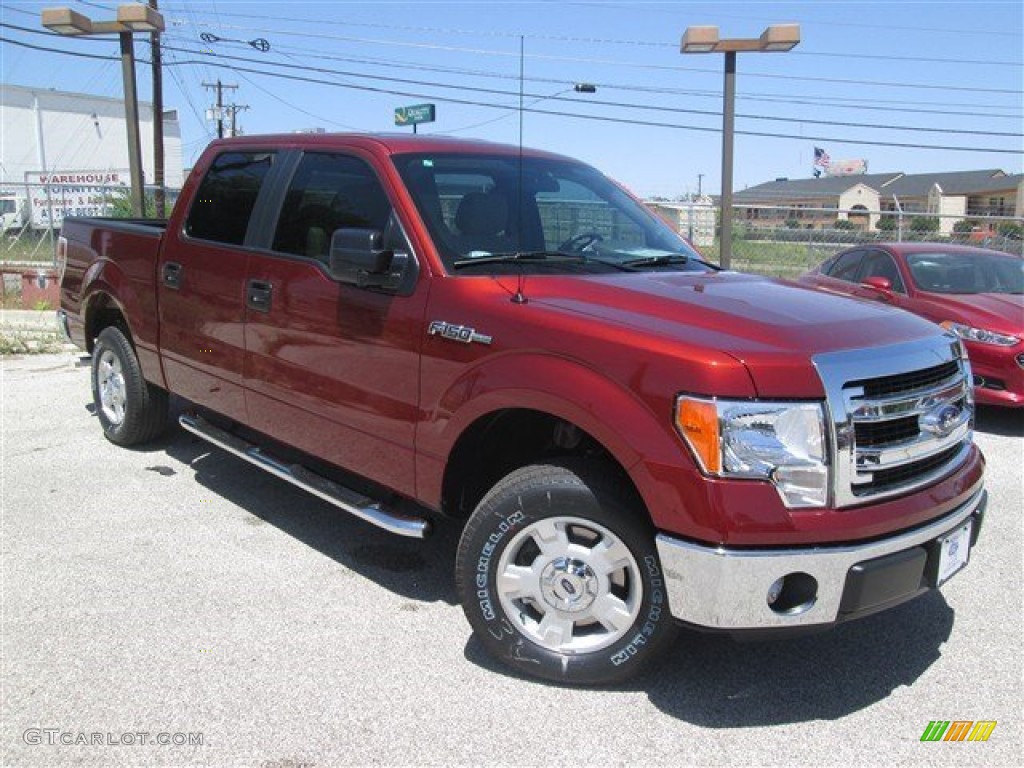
{"type": "Point", "coordinates": [462, 333]}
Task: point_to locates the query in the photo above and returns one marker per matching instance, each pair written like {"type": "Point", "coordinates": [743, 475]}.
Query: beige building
{"type": "Point", "coordinates": [864, 200]}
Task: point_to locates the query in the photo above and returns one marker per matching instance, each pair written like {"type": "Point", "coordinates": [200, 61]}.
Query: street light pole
{"type": "Point", "coordinates": [159, 177]}
{"type": "Point", "coordinates": [131, 18]}
{"type": "Point", "coordinates": [776, 38]}
{"type": "Point", "coordinates": [728, 138]}
{"type": "Point", "coordinates": [131, 109]}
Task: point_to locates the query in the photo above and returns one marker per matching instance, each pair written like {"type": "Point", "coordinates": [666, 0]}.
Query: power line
{"type": "Point", "coordinates": [581, 39]}
{"type": "Point", "coordinates": [601, 118]}
{"type": "Point", "coordinates": [608, 119]}
{"type": "Point", "coordinates": [624, 105]}
{"type": "Point", "coordinates": [871, 105]}
{"type": "Point", "coordinates": [544, 57]}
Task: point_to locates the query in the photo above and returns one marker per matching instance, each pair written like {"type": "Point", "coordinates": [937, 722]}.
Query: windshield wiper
{"type": "Point", "coordinates": [512, 258]}
{"type": "Point", "coordinates": [657, 261]}
{"type": "Point", "coordinates": [665, 259]}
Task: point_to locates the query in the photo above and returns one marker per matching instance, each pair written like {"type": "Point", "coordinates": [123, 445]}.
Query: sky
{"type": "Point", "coordinates": [908, 86]}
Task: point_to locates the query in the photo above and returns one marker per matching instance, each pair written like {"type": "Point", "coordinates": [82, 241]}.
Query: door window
{"type": "Point", "coordinates": [328, 192]}
{"type": "Point", "coordinates": [224, 202]}
{"type": "Point", "coordinates": [881, 264]}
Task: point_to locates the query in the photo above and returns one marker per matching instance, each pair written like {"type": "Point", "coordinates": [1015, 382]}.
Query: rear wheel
{"type": "Point", "coordinates": [130, 409]}
{"type": "Point", "coordinates": [559, 576]}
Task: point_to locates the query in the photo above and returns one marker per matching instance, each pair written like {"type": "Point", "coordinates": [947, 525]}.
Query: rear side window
{"type": "Point", "coordinates": [227, 196]}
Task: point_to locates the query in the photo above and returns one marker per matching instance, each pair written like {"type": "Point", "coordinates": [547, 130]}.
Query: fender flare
{"type": "Point", "coordinates": [610, 413]}
{"type": "Point", "coordinates": [105, 281]}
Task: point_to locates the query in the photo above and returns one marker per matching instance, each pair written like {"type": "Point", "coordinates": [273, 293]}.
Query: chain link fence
{"type": "Point", "coordinates": [779, 241]}
{"type": "Point", "coordinates": [31, 214]}
{"type": "Point", "coordinates": [784, 242]}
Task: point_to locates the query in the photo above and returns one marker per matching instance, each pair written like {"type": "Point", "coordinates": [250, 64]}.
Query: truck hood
{"type": "Point", "coordinates": [773, 327]}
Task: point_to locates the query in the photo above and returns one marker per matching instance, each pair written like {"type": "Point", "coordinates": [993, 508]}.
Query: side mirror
{"type": "Point", "coordinates": [358, 258]}
{"type": "Point", "coordinates": [881, 284]}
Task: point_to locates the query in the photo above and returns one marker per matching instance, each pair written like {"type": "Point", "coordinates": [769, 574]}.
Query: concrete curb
{"type": "Point", "coordinates": [26, 320]}
{"type": "Point", "coordinates": [25, 331]}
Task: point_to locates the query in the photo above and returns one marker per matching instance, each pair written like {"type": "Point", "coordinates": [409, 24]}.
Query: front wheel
{"type": "Point", "coordinates": [130, 409]}
{"type": "Point", "coordinates": [559, 576]}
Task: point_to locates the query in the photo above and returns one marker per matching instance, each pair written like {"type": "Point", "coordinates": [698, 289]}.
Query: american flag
{"type": "Point", "coordinates": [821, 158]}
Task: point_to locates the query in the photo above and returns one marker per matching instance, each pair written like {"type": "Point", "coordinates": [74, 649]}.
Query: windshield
{"type": "Point", "coordinates": [492, 214]}
{"type": "Point", "coordinates": [947, 272]}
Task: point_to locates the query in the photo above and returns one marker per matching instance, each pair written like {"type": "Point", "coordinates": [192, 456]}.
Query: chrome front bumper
{"type": "Point", "coordinates": [727, 588]}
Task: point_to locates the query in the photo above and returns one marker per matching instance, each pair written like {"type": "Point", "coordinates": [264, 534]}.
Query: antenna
{"type": "Point", "coordinates": [518, 297]}
{"type": "Point", "coordinates": [519, 190]}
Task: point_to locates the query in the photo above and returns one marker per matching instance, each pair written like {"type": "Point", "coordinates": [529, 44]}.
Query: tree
{"type": "Point", "coordinates": [887, 224]}
{"type": "Point", "coordinates": [1011, 231]}
{"type": "Point", "coordinates": [121, 205]}
{"type": "Point", "coordinates": [844, 224]}
{"type": "Point", "coordinates": [965, 226]}
{"type": "Point", "coordinates": [924, 224]}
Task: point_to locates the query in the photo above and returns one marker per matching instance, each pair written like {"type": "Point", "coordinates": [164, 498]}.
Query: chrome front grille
{"type": "Point", "coordinates": [901, 416]}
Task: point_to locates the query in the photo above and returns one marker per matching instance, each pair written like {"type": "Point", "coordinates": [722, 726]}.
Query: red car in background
{"type": "Point", "coordinates": [975, 292]}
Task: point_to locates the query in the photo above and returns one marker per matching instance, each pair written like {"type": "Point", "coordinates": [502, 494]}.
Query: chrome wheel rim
{"type": "Point", "coordinates": [569, 585]}
{"type": "Point", "coordinates": [110, 382]}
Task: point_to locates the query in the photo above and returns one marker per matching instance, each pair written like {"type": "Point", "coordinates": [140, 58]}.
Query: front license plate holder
{"type": "Point", "coordinates": [954, 552]}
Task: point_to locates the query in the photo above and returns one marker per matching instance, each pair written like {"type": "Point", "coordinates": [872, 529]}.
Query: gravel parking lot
{"type": "Point", "coordinates": [177, 594]}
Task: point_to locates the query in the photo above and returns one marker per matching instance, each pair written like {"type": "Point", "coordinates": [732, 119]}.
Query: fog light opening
{"type": "Point", "coordinates": [793, 594]}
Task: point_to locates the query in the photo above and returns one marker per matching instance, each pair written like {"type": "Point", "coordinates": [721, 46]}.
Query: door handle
{"type": "Point", "coordinates": [170, 273]}
{"type": "Point", "coordinates": [258, 294]}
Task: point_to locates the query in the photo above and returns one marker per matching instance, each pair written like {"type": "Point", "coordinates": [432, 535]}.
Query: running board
{"type": "Point", "coordinates": [344, 498]}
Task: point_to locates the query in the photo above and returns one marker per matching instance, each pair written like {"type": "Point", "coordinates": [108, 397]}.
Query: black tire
{"type": "Point", "coordinates": [591, 610]}
{"type": "Point", "coordinates": [130, 409]}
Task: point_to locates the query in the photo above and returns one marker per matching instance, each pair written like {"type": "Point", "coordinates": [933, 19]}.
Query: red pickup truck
{"type": "Point", "coordinates": [411, 326]}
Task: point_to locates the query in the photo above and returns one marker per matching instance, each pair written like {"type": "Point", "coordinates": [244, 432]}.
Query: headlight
{"type": "Point", "coordinates": [980, 335]}
{"type": "Point", "coordinates": [783, 443]}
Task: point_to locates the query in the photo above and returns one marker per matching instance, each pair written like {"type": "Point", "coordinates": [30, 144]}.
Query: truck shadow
{"type": "Point", "coordinates": [720, 683]}
{"type": "Point", "coordinates": [1008, 422]}
{"type": "Point", "coordinates": [714, 681]}
{"type": "Point", "coordinates": [708, 680]}
{"type": "Point", "coordinates": [420, 569]}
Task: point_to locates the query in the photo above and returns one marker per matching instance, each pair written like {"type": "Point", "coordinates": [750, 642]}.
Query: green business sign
{"type": "Point", "coordinates": [417, 113]}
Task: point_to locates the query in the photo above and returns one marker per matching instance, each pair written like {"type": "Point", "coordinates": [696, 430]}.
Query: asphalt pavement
{"type": "Point", "coordinates": [176, 594]}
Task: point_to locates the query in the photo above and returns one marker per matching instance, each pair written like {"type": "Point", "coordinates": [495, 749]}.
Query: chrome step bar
{"type": "Point", "coordinates": [354, 503]}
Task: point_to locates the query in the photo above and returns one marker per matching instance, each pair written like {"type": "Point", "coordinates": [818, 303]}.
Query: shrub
{"type": "Point", "coordinates": [924, 224]}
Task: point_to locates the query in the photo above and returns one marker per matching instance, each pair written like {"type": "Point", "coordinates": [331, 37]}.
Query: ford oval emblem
{"type": "Point", "coordinates": [942, 420]}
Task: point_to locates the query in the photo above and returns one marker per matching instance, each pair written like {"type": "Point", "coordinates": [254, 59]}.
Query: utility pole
{"type": "Point", "coordinates": [217, 112]}
{"type": "Point", "coordinates": [158, 122]}
{"type": "Point", "coordinates": [700, 179]}
{"type": "Point", "coordinates": [233, 110]}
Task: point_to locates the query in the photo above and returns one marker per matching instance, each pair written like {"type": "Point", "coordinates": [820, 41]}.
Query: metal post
{"type": "Point", "coordinates": [158, 122]}
{"type": "Point", "coordinates": [728, 130]}
{"type": "Point", "coordinates": [131, 104]}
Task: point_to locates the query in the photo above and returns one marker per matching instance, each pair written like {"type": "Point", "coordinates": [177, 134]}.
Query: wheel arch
{"type": "Point", "coordinates": [110, 297]}
{"type": "Point", "coordinates": [538, 408]}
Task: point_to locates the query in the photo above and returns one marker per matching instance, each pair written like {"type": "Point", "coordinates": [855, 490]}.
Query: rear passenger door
{"type": "Point", "coordinates": [201, 281]}
{"type": "Point", "coordinates": [331, 368]}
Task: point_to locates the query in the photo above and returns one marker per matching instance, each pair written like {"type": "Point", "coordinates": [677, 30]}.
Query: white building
{"type": "Point", "coordinates": [47, 132]}
{"type": "Point", "coordinates": [693, 219]}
